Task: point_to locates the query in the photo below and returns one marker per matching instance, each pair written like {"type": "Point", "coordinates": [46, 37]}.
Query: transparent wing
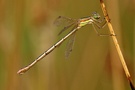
{"type": "Point", "coordinates": [64, 22]}
{"type": "Point", "coordinates": [70, 45]}
{"type": "Point", "coordinates": [66, 27]}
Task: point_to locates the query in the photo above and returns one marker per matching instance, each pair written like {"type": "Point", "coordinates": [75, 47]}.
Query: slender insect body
{"type": "Point", "coordinates": [77, 25]}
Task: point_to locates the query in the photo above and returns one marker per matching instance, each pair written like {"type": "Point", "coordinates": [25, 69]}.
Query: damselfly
{"type": "Point", "coordinates": [94, 20]}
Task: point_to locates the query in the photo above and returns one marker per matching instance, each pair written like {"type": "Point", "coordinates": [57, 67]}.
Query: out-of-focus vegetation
{"type": "Point", "coordinates": [27, 30]}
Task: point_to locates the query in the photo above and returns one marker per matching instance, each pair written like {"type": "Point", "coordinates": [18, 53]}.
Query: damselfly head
{"type": "Point", "coordinates": [95, 15]}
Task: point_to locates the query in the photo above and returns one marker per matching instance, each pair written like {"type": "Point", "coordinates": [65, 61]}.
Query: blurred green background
{"type": "Point", "coordinates": [27, 30]}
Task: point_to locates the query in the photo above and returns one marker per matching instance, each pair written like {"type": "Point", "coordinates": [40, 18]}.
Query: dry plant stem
{"type": "Point", "coordinates": [115, 41]}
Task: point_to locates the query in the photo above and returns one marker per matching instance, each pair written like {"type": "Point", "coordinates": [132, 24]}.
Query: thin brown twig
{"type": "Point", "coordinates": [116, 44]}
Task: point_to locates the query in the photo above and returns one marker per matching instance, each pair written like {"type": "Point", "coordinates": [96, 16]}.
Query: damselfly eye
{"type": "Point", "coordinates": [95, 15]}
